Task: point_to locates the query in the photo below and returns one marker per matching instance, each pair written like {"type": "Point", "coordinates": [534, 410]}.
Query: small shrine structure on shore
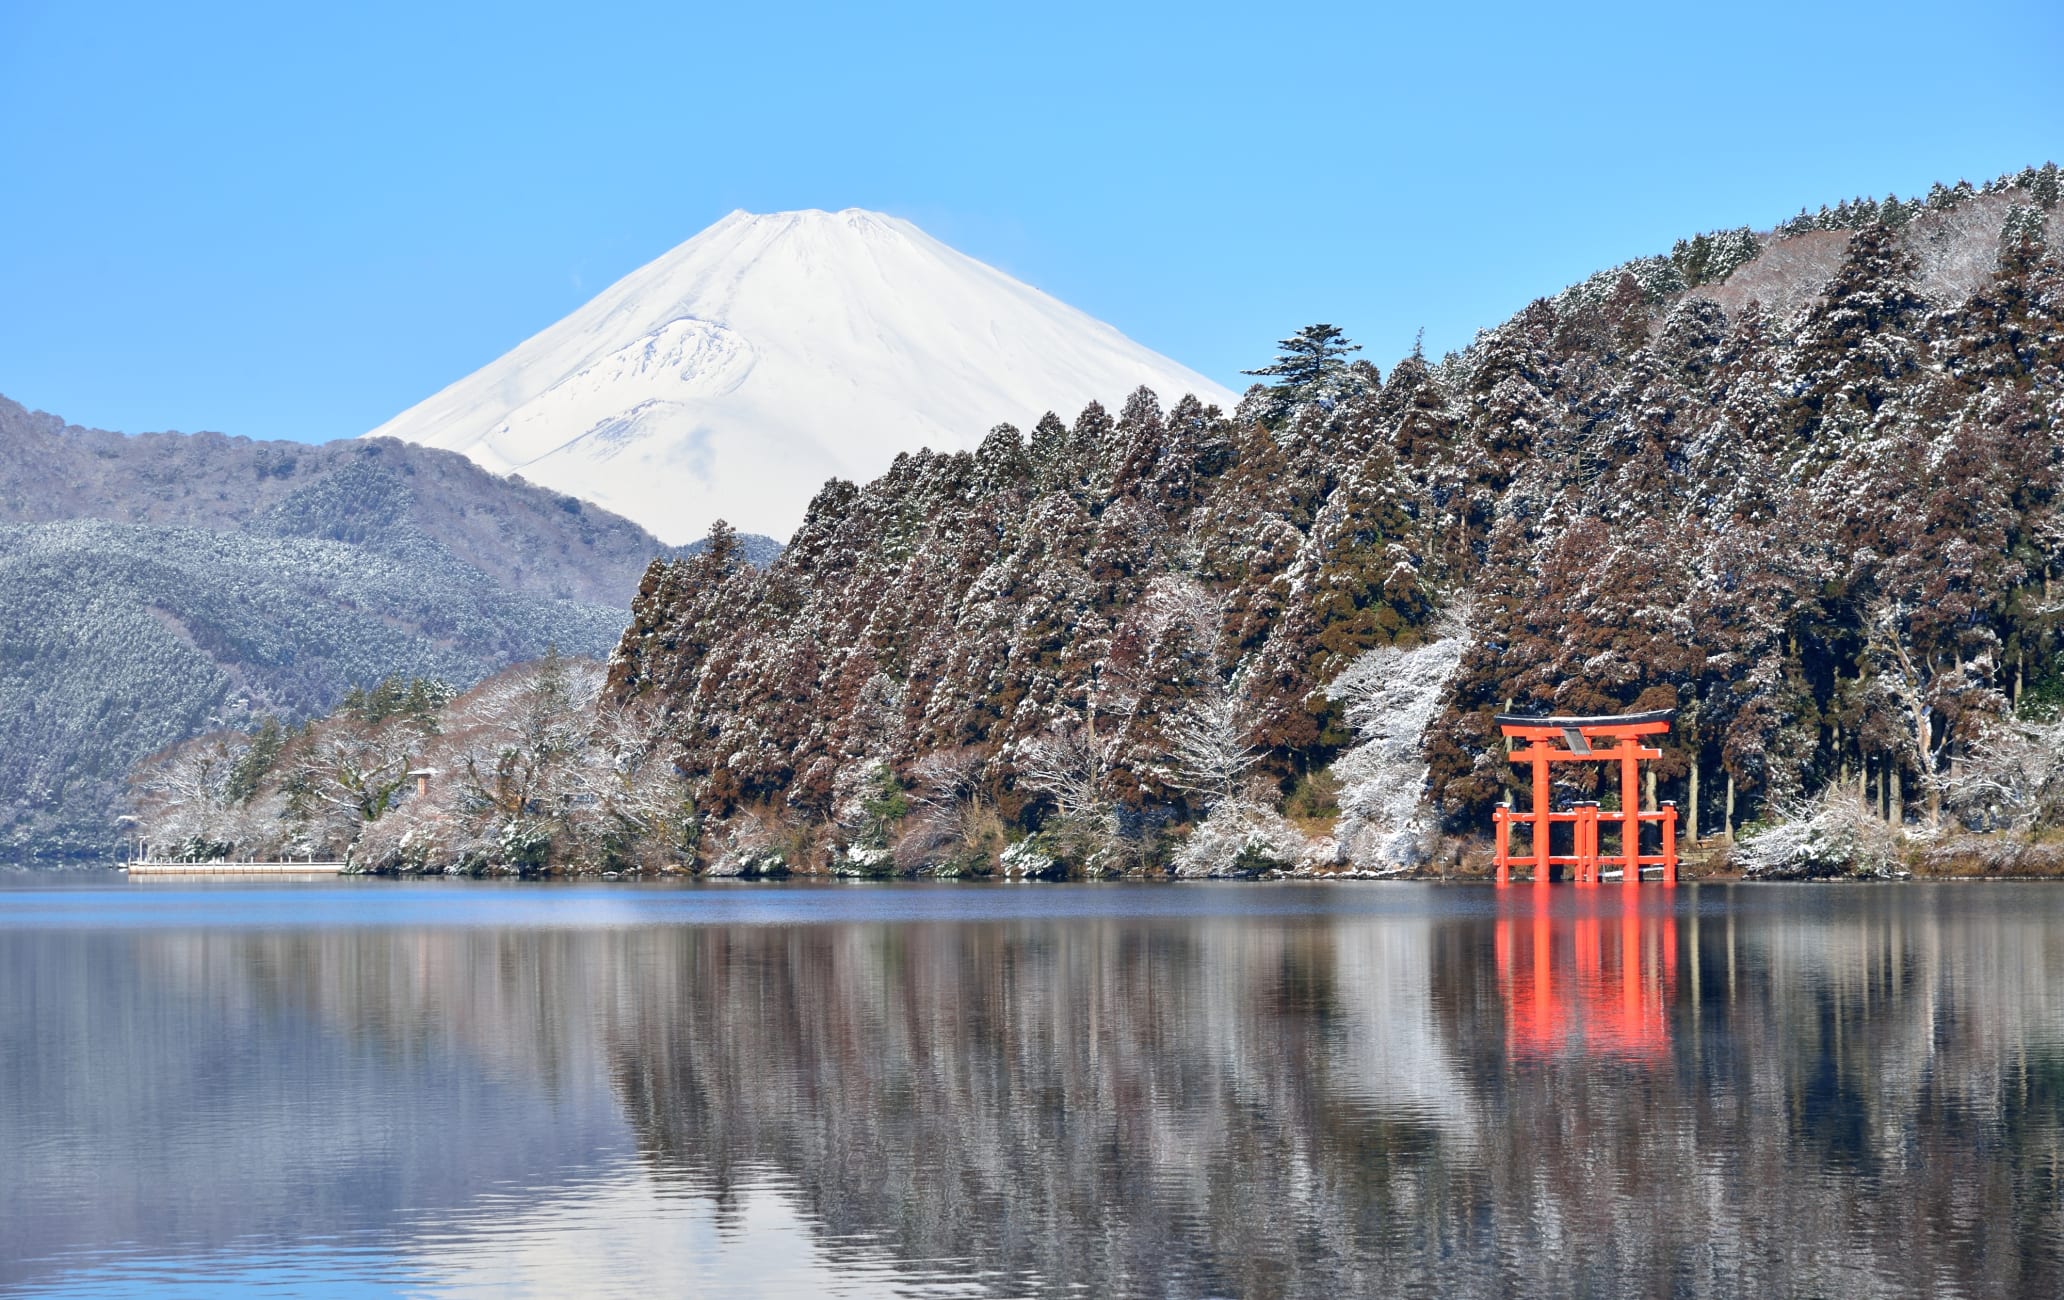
{"type": "Point", "coordinates": [1542, 742]}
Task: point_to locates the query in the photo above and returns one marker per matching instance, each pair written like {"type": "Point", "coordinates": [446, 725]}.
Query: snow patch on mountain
{"type": "Point", "coordinates": [732, 376]}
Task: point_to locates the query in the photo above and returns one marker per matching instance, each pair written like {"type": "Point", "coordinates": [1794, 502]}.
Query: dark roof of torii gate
{"type": "Point", "coordinates": [1604, 720]}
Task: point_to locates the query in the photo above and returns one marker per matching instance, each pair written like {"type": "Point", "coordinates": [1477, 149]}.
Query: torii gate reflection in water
{"type": "Point", "coordinates": [1577, 737]}
{"type": "Point", "coordinates": [1574, 975]}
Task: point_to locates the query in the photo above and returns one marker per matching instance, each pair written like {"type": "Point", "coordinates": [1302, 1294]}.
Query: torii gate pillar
{"type": "Point", "coordinates": [1552, 740]}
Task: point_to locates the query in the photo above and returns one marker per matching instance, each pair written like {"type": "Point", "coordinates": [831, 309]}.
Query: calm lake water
{"type": "Point", "coordinates": [1255, 1090]}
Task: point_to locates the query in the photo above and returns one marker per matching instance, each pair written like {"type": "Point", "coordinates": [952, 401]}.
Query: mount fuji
{"type": "Point", "coordinates": [732, 376]}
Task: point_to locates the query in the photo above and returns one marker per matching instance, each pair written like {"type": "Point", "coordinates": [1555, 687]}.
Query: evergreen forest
{"type": "Point", "coordinates": [1799, 485]}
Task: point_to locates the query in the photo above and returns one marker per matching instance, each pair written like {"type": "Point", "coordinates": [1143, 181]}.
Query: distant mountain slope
{"type": "Point", "coordinates": [528, 538]}
{"type": "Point", "coordinates": [734, 375]}
{"type": "Point", "coordinates": [155, 586]}
{"type": "Point", "coordinates": [119, 639]}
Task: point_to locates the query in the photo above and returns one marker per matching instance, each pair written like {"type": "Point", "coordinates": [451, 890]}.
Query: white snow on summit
{"type": "Point", "coordinates": [731, 377]}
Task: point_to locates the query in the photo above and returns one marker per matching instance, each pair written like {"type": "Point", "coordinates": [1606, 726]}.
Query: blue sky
{"type": "Point", "coordinates": [296, 220]}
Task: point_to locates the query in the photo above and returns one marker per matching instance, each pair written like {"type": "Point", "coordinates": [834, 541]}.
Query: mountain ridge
{"type": "Point", "coordinates": [533, 538]}
{"type": "Point", "coordinates": [735, 373]}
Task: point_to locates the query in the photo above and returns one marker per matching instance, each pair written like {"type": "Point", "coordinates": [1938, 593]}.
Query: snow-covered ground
{"type": "Point", "coordinates": [732, 376]}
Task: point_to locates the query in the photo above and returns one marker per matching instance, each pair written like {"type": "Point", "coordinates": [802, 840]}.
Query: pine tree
{"type": "Point", "coordinates": [1048, 453]}
{"type": "Point", "coordinates": [1361, 577]}
{"type": "Point", "coordinates": [1309, 357]}
{"type": "Point", "coordinates": [1143, 434]}
{"type": "Point", "coordinates": [256, 762]}
{"type": "Point", "coordinates": [2043, 186]}
{"type": "Point", "coordinates": [1860, 342]}
{"type": "Point", "coordinates": [1310, 366]}
{"type": "Point", "coordinates": [2023, 227]}
{"type": "Point", "coordinates": [1092, 453]}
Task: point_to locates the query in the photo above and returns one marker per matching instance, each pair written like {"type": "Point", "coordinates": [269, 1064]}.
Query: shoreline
{"type": "Point", "coordinates": [1457, 861]}
{"type": "Point", "coordinates": [241, 873]}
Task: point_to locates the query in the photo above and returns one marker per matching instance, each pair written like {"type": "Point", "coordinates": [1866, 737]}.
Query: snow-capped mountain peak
{"type": "Point", "coordinates": [733, 375]}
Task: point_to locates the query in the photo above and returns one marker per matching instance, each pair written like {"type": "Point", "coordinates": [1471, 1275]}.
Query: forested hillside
{"type": "Point", "coordinates": [1799, 485]}
{"type": "Point", "coordinates": [117, 640]}
{"type": "Point", "coordinates": [160, 586]}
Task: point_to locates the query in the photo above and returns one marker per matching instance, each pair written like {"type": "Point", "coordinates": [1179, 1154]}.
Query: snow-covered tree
{"type": "Point", "coordinates": [1392, 697]}
{"type": "Point", "coordinates": [1068, 766]}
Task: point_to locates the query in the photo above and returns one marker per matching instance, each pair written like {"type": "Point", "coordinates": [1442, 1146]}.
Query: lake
{"type": "Point", "coordinates": [364, 1087]}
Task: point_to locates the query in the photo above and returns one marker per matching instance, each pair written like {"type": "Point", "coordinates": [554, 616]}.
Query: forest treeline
{"type": "Point", "coordinates": [1170, 638]}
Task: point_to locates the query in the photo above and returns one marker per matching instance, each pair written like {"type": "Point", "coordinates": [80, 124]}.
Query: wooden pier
{"type": "Point", "coordinates": [223, 868]}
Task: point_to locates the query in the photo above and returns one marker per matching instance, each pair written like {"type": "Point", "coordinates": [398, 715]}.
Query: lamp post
{"type": "Point", "coordinates": [129, 840]}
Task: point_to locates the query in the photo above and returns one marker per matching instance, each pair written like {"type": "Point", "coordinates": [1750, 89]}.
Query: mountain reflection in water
{"type": "Point", "coordinates": [1358, 1091]}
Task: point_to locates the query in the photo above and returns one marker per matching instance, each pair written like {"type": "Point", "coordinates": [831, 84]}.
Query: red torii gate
{"type": "Point", "coordinates": [1576, 735]}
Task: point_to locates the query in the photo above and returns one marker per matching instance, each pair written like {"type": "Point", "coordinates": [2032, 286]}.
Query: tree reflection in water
{"type": "Point", "coordinates": [1607, 1091]}
{"type": "Point", "coordinates": [1861, 1100]}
